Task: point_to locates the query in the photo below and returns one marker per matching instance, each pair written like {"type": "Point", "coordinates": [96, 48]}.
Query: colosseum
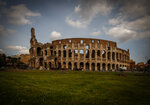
{"type": "Point", "coordinates": [77, 54]}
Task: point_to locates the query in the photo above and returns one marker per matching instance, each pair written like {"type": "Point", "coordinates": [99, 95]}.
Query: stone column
{"type": "Point", "coordinates": [84, 66]}
{"type": "Point", "coordinates": [101, 66]}
{"type": "Point", "coordinates": [110, 66]}
{"type": "Point", "coordinates": [106, 53]}
{"type": "Point", "coordinates": [66, 64]}
{"type": "Point", "coordinates": [95, 66]}
{"type": "Point", "coordinates": [72, 65]}
{"type": "Point", "coordinates": [78, 65]}
{"type": "Point", "coordinates": [106, 65]}
{"type": "Point", "coordinates": [101, 50]}
{"type": "Point", "coordinates": [90, 67]}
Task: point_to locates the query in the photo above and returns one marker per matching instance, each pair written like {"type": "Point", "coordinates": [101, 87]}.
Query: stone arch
{"type": "Point", "coordinates": [87, 66]}
{"type": "Point", "coordinates": [59, 53]}
{"type": "Point", "coordinates": [113, 56]}
{"type": "Point", "coordinates": [64, 53]}
{"type": "Point", "coordinates": [104, 54]}
{"type": "Point", "coordinates": [93, 66]}
{"type": "Point", "coordinates": [45, 52]}
{"type": "Point", "coordinates": [103, 66]}
{"type": "Point", "coordinates": [59, 65]}
{"type": "Point", "coordinates": [81, 65]}
{"type": "Point", "coordinates": [39, 51]}
{"type": "Point", "coordinates": [69, 66]}
{"type": "Point", "coordinates": [55, 53]}
{"type": "Point", "coordinates": [51, 52]}
{"type": "Point", "coordinates": [109, 66]}
{"type": "Point", "coordinates": [70, 53]}
{"type": "Point", "coordinates": [113, 66]}
{"type": "Point", "coordinates": [98, 53]}
{"type": "Point", "coordinates": [45, 65]}
{"type": "Point", "coordinates": [87, 53]}
{"type": "Point", "coordinates": [93, 53]}
{"type": "Point", "coordinates": [117, 67]}
{"type": "Point", "coordinates": [64, 65]}
{"type": "Point", "coordinates": [41, 61]}
{"type": "Point", "coordinates": [98, 66]}
{"type": "Point", "coordinates": [108, 55]}
{"type": "Point", "coordinates": [75, 66]}
{"type": "Point", "coordinates": [50, 65]}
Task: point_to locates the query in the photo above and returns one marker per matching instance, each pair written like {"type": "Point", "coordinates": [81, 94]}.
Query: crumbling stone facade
{"type": "Point", "coordinates": [77, 54]}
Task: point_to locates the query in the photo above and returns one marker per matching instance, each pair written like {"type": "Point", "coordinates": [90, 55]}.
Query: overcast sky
{"type": "Point", "coordinates": [126, 22]}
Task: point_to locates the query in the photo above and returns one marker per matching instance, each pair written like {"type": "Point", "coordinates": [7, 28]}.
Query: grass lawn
{"type": "Point", "coordinates": [34, 87]}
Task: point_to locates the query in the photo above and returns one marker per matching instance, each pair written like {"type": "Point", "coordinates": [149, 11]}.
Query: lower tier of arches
{"type": "Point", "coordinates": [83, 66]}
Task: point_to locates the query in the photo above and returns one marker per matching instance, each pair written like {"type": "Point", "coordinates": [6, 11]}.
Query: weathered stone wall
{"type": "Point", "coordinates": [79, 53]}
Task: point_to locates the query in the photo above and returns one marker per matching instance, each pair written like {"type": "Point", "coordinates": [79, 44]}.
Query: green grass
{"type": "Point", "coordinates": [33, 87]}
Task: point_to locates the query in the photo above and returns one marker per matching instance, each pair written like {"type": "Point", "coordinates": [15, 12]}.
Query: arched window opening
{"type": "Point", "coordinates": [45, 52]}
{"type": "Point", "coordinates": [93, 66]}
{"type": "Point", "coordinates": [70, 53]}
{"type": "Point", "coordinates": [69, 41]}
{"type": "Point", "coordinates": [87, 47]}
{"type": "Point", "coordinates": [65, 47]}
{"type": "Point", "coordinates": [41, 62]}
{"type": "Point", "coordinates": [104, 54]}
{"type": "Point", "coordinates": [39, 51]}
{"type": "Point", "coordinates": [87, 66]}
{"type": "Point", "coordinates": [59, 53]}
{"type": "Point", "coordinates": [109, 68]}
{"type": "Point", "coordinates": [113, 66]}
{"type": "Point", "coordinates": [87, 53]}
{"type": "Point", "coordinates": [109, 55]}
{"type": "Point", "coordinates": [75, 66]}
{"type": "Point", "coordinates": [98, 53]}
{"type": "Point", "coordinates": [92, 41]}
{"type": "Point", "coordinates": [45, 65]}
{"type": "Point", "coordinates": [93, 53]}
{"type": "Point", "coordinates": [51, 47]}
{"type": "Point", "coordinates": [64, 53]}
{"type": "Point", "coordinates": [81, 65]}
{"type": "Point", "coordinates": [108, 43]}
{"type": "Point", "coordinates": [81, 41]}
{"type": "Point", "coordinates": [51, 52]}
{"type": "Point", "coordinates": [64, 65]}
{"type": "Point", "coordinates": [103, 66]}
{"type": "Point", "coordinates": [113, 56]}
{"type": "Point", "coordinates": [108, 48]}
{"type": "Point", "coordinates": [54, 53]}
{"type": "Point", "coordinates": [76, 53]}
{"type": "Point", "coordinates": [59, 65]}
{"type": "Point", "coordinates": [117, 67]}
{"type": "Point", "coordinates": [69, 66]}
{"type": "Point", "coordinates": [82, 53]}
{"type": "Point", "coordinates": [98, 66]}
{"type": "Point", "coordinates": [50, 65]}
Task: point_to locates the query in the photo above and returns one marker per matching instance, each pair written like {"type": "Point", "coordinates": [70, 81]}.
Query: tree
{"type": "Point", "coordinates": [148, 62]}
{"type": "Point", "coordinates": [2, 60]}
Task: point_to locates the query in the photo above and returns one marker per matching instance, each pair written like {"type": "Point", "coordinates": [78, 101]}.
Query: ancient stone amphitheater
{"type": "Point", "coordinates": [77, 54]}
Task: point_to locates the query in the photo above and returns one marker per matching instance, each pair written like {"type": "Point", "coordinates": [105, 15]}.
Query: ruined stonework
{"type": "Point", "coordinates": [77, 54]}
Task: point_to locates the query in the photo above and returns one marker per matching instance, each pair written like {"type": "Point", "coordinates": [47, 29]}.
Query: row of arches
{"type": "Point", "coordinates": [99, 53]}
{"type": "Point", "coordinates": [83, 66]}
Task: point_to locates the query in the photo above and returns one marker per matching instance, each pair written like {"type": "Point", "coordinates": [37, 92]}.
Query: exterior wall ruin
{"type": "Point", "coordinates": [77, 54]}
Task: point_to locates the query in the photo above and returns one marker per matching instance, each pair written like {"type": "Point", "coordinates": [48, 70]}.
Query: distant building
{"type": "Point", "coordinates": [140, 66]}
{"type": "Point", "coordinates": [24, 58]}
{"type": "Point", "coordinates": [132, 64]}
